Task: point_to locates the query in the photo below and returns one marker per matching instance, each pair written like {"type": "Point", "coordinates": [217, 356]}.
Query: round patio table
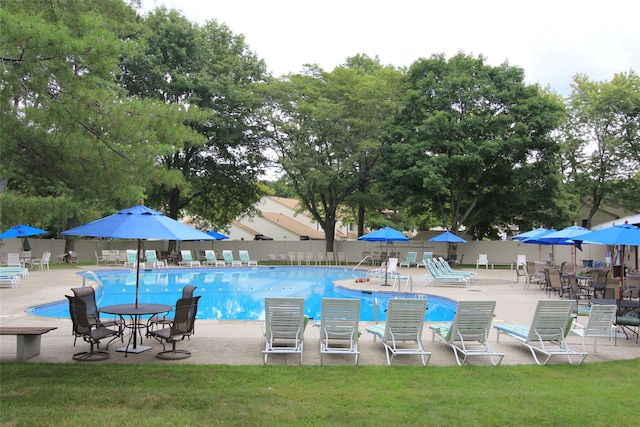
{"type": "Point", "coordinates": [134, 313]}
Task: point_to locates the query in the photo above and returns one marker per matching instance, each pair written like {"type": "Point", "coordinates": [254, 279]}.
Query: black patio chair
{"type": "Point", "coordinates": [89, 331]}
{"type": "Point", "coordinates": [180, 328]}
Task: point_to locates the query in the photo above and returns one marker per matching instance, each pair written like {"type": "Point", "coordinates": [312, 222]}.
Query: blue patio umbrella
{"type": "Point", "coordinates": [448, 237]}
{"type": "Point", "coordinates": [530, 234]}
{"type": "Point", "coordinates": [140, 223]}
{"type": "Point", "coordinates": [564, 237]}
{"type": "Point", "coordinates": [533, 239]}
{"type": "Point", "coordinates": [216, 235]}
{"type": "Point", "coordinates": [623, 235]}
{"type": "Point", "coordinates": [23, 231]}
{"type": "Point", "coordinates": [386, 234]}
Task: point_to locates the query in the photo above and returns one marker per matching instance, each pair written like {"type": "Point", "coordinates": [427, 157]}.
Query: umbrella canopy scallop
{"type": "Point", "coordinates": [447, 237]}
{"type": "Point", "coordinates": [21, 230]}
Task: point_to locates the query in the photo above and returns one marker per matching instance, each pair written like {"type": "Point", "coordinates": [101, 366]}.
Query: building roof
{"type": "Point", "coordinates": [294, 226]}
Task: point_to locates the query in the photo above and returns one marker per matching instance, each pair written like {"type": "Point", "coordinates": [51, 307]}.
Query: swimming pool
{"type": "Point", "coordinates": [239, 293]}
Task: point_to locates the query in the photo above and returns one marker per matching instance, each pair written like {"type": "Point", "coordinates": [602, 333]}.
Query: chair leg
{"type": "Point", "coordinates": [91, 355]}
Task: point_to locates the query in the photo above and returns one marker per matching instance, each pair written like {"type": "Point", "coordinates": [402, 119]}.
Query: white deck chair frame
{"type": "Point", "coordinates": [227, 255]}
{"type": "Point", "coordinates": [599, 325]}
{"type": "Point", "coordinates": [284, 326]}
{"type": "Point", "coordinates": [546, 335]}
{"type": "Point", "coordinates": [404, 324]}
{"type": "Point", "coordinates": [211, 259]}
{"type": "Point", "coordinates": [245, 258]}
{"type": "Point", "coordinates": [483, 259]}
{"type": "Point", "coordinates": [187, 259]}
{"type": "Point", "coordinates": [339, 327]}
{"type": "Point", "coordinates": [446, 268]}
{"type": "Point", "coordinates": [409, 260]}
{"type": "Point", "coordinates": [447, 278]}
{"type": "Point", "coordinates": [468, 333]}
{"type": "Point", "coordinates": [151, 258]}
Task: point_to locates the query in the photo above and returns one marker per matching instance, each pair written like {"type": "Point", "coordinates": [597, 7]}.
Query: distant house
{"type": "Point", "coordinates": [608, 213]}
{"type": "Point", "coordinates": [279, 219]}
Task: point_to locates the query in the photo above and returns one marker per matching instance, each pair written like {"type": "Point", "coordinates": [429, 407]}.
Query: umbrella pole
{"type": "Point", "coordinates": [138, 269]}
{"type": "Point", "coordinates": [386, 264]}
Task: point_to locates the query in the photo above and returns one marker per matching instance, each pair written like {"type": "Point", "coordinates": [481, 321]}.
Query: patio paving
{"type": "Point", "coordinates": [240, 342]}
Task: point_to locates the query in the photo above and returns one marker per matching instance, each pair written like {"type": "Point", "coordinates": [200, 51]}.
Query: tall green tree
{"type": "Point", "coordinates": [473, 144]}
{"type": "Point", "coordinates": [326, 132]}
{"type": "Point", "coordinates": [209, 69]}
{"type": "Point", "coordinates": [72, 142]}
{"type": "Point", "coordinates": [602, 153]}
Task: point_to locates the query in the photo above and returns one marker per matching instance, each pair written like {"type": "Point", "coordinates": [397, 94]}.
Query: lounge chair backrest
{"type": "Point", "coordinates": [132, 256]}
{"type": "Point", "coordinates": [210, 255]}
{"type": "Point", "coordinates": [79, 319]}
{"type": "Point", "coordinates": [227, 255]}
{"type": "Point", "coordinates": [186, 255]}
{"type": "Point", "coordinates": [13, 260]}
{"type": "Point", "coordinates": [284, 318]}
{"type": "Point", "coordinates": [550, 321]}
{"type": "Point", "coordinates": [339, 316]}
{"type": "Point", "coordinates": [151, 255]}
{"type": "Point", "coordinates": [185, 316]}
{"type": "Point", "coordinates": [405, 319]}
{"type": "Point", "coordinates": [88, 296]}
{"type": "Point", "coordinates": [601, 318]}
{"type": "Point", "coordinates": [392, 265]}
{"type": "Point", "coordinates": [187, 291]}
{"type": "Point", "coordinates": [472, 321]}
{"type": "Point", "coordinates": [411, 257]}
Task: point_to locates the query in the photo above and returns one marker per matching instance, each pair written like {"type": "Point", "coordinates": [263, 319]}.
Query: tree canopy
{"type": "Point", "coordinates": [326, 132]}
{"type": "Point", "coordinates": [602, 154]}
{"type": "Point", "coordinates": [210, 70]}
{"type": "Point", "coordinates": [474, 143]}
{"type": "Point", "coordinates": [72, 141]}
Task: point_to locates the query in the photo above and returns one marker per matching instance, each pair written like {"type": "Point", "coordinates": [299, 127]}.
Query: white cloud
{"type": "Point", "coordinates": [550, 40]}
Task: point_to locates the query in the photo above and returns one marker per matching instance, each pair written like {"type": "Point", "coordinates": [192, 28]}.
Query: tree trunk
{"type": "Point", "coordinates": [174, 209]}
{"type": "Point", "coordinates": [361, 212]}
{"type": "Point", "coordinates": [329, 227]}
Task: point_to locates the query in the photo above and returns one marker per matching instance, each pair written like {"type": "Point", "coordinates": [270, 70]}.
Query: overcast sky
{"type": "Point", "coordinates": [551, 40]}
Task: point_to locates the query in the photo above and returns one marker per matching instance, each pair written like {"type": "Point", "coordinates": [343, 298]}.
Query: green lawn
{"type": "Point", "coordinates": [71, 394]}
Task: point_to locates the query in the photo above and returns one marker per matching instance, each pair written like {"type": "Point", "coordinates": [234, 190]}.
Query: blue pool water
{"type": "Point", "coordinates": [239, 293]}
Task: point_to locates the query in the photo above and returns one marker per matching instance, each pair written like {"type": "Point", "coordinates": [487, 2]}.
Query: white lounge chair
{"type": "Point", "coordinates": [388, 269]}
{"type": "Point", "coordinates": [42, 262]}
{"type": "Point", "coordinates": [405, 322]}
{"type": "Point", "coordinates": [442, 278]}
{"type": "Point", "coordinates": [151, 258]}
{"type": "Point", "coordinates": [210, 258]}
{"type": "Point", "coordinates": [445, 267]}
{"type": "Point", "coordinates": [246, 259]}
{"type": "Point", "coordinates": [426, 256]}
{"type": "Point", "coordinates": [600, 325]}
{"type": "Point", "coordinates": [228, 258]}
{"type": "Point", "coordinates": [132, 258]}
{"type": "Point", "coordinates": [339, 327]}
{"type": "Point", "coordinates": [483, 259]}
{"type": "Point", "coordinates": [468, 334]}
{"type": "Point", "coordinates": [409, 260]}
{"type": "Point", "coordinates": [546, 335]}
{"type": "Point", "coordinates": [284, 326]}
{"type": "Point", "coordinates": [187, 259]}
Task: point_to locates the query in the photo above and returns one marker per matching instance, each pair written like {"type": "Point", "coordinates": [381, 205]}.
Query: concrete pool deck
{"type": "Point", "coordinates": [240, 342]}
